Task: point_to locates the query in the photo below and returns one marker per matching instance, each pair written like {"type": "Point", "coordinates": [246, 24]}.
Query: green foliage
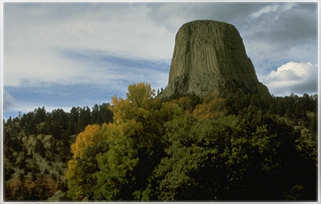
{"type": "Point", "coordinates": [212, 159]}
{"type": "Point", "coordinates": [37, 145]}
{"type": "Point", "coordinates": [131, 145]}
{"type": "Point", "coordinates": [240, 147]}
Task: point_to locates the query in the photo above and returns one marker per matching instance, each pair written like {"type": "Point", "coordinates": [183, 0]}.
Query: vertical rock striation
{"type": "Point", "coordinates": [209, 56]}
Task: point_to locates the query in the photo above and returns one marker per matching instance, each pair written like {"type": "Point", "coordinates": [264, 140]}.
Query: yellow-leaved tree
{"type": "Point", "coordinates": [75, 175]}
{"type": "Point", "coordinates": [84, 139]}
{"type": "Point", "coordinates": [113, 161]}
{"type": "Point", "coordinates": [138, 104]}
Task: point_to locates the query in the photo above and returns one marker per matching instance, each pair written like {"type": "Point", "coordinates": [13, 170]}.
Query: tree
{"type": "Point", "coordinates": [116, 171]}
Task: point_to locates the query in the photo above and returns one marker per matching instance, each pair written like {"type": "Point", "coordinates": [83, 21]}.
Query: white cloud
{"type": "Point", "coordinates": [272, 9]}
{"type": "Point", "coordinates": [31, 42]}
{"type": "Point", "coordinates": [264, 10]}
{"type": "Point", "coordinates": [292, 77]}
{"type": "Point", "coordinates": [39, 66]}
{"type": "Point", "coordinates": [126, 30]}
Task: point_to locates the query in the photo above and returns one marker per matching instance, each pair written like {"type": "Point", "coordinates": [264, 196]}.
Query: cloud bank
{"type": "Point", "coordinates": [105, 47]}
{"type": "Point", "coordinates": [293, 77]}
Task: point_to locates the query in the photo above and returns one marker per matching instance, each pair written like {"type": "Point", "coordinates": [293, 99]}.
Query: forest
{"type": "Point", "coordinates": [145, 147]}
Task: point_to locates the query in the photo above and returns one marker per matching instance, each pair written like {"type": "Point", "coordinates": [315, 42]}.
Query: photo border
{"type": "Point", "coordinates": [3, 2]}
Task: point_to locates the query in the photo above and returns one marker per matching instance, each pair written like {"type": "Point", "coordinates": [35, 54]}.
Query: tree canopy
{"type": "Point", "coordinates": [146, 147]}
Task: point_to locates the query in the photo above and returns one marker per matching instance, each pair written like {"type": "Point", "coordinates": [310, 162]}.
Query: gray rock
{"type": "Point", "coordinates": [209, 56]}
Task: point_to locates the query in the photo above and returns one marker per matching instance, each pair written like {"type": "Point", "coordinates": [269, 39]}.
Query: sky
{"type": "Point", "coordinates": [60, 55]}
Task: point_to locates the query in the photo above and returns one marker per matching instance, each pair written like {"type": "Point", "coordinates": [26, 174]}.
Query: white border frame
{"type": "Point", "coordinates": [1, 98]}
{"type": "Point", "coordinates": [2, 2]}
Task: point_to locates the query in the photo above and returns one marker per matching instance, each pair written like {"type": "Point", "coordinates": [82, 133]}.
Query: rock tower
{"type": "Point", "coordinates": [209, 56]}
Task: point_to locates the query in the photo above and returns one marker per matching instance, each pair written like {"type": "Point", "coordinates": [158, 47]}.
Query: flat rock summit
{"type": "Point", "coordinates": [209, 56]}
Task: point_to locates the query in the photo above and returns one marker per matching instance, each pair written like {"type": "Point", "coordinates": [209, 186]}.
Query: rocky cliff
{"type": "Point", "coordinates": [209, 56]}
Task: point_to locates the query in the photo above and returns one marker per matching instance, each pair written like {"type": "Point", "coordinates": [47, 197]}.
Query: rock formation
{"type": "Point", "coordinates": [209, 56]}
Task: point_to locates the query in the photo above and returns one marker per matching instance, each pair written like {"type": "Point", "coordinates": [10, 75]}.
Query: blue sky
{"type": "Point", "coordinates": [60, 55]}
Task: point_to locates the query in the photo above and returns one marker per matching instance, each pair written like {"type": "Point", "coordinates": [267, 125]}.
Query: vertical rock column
{"type": "Point", "coordinates": [210, 56]}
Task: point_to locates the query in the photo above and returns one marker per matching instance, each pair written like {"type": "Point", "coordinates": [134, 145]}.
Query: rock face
{"type": "Point", "coordinates": [209, 56]}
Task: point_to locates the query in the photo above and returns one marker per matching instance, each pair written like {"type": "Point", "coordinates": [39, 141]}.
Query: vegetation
{"type": "Point", "coordinates": [145, 147]}
{"type": "Point", "coordinates": [37, 148]}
